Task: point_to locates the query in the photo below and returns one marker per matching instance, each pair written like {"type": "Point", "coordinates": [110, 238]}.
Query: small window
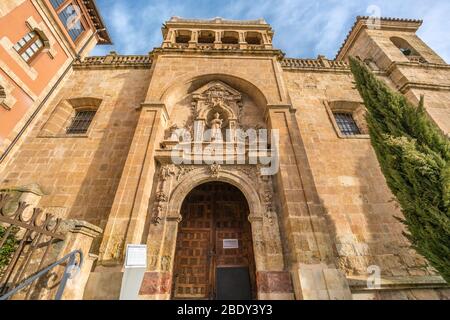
{"type": "Point", "coordinates": [347, 125]}
{"type": "Point", "coordinates": [2, 94]}
{"type": "Point", "coordinates": [253, 38]}
{"type": "Point", "coordinates": [230, 37]}
{"type": "Point", "coordinates": [29, 46]}
{"type": "Point", "coordinates": [183, 36]}
{"type": "Point", "coordinates": [57, 3]}
{"type": "Point", "coordinates": [407, 50]}
{"type": "Point", "coordinates": [206, 37]}
{"type": "Point", "coordinates": [3, 98]}
{"type": "Point", "coordinates": [81, 122]}
{"type": "Point", "coordinates": [71, 17]}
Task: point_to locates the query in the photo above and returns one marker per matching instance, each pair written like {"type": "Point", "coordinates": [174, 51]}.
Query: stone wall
{"type": "Point", "coordinates": [361, 216]}
{"type": "Point", "coordinates": [334, 206]}
{"type": "Point", "coordinates": [79, 174]}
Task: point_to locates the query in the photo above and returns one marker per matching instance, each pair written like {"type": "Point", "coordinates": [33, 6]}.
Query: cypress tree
{"type": "Point", "coordinates": [414, 156]}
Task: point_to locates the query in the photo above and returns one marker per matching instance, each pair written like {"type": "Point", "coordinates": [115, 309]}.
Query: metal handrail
{"type": "Point", "coordinates": [66, 276]}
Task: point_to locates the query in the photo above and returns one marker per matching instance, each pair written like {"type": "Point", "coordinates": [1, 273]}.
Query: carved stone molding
{"type": "Point", "coordinates": [172, 176]}
{"type": "Point", "coordinates": [215, 170]}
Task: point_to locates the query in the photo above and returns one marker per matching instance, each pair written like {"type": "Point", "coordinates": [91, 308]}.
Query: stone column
{"type": "Point", "coordinates": [218, 40]}
{"type": "Point", "coordinates": [194, 39]}
{"type": "Point", "coordinates": [79, 236]}
{"type": "Point", "coordinates": [258, 242]}
{"type": "Point", "coordinates": [170, 39]}
{"type": "Point", "coordinates": [161, 244]}
{"type": "Point", "coordinates": [310, 253]}
{"type": "Point", "coordinates": [130, 208]}
{"type": "Point", "coordinates": [242, 41]}
{"type": "Point", "coordinates": [266, 41]}
{"type": "Point", "coordinates": [273, 281]}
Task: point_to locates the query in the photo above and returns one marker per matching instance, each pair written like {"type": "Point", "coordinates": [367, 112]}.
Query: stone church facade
{"type": "Point", "coordinates": [101, 152]}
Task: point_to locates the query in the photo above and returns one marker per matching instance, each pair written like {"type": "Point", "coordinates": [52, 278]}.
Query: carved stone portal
{"type": "Point", "coordinates": [175, 183]}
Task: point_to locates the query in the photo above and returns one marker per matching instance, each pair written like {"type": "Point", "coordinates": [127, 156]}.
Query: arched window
{"type": "Point", "coordinates": [230, 37]}
{"type": "Point", "coordinates": [253, 38]}
{"type": "Point", "coordinates": [30, 45]}
{"type": "Point", "coordinates": [346, 123]}
{"type": "Point", "coordinates": [74, 117]}
{"type": "Point", "coordinates": [348, 118]}
{"type": "Point", "coordinates": [71, 17]}
{"type": "Point", "coordinates": [183, 36]}
{"type": "Point", "coordinates": [206, 37]}
{"type": "Point", "coordinates": [407, 50]}
{"type": "Point", "coordinates": [81, 122]}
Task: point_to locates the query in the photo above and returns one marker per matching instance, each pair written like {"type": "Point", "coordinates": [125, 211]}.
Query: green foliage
{"type": "Point", "coordinates": [8, 248]}
{"type": "Point", "coordinates": [414, 156]}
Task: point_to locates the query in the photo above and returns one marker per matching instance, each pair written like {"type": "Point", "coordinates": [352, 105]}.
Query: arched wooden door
{"type": "Point", "coordinates": [214, 253]}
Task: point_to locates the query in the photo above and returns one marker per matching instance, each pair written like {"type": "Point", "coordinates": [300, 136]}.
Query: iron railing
{"type": "Point", "coordinates": [29, 241]}
{"type": "Point", "coordinates": [70, 271]}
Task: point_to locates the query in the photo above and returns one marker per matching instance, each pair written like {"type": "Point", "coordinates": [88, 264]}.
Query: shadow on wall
{"type": "Point", "coordinates": [116, 123]}
{"type": "Point", "coordinates": [376, 238]}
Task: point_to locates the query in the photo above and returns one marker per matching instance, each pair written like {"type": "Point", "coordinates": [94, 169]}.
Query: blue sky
{"type": "Point", "coordinates": [303, 28]}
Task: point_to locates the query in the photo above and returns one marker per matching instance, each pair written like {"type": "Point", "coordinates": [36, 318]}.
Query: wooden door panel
{"type": "Point", "coordinates": [211, 213]}
{"type": "Point", "coordinates": [192, 265]}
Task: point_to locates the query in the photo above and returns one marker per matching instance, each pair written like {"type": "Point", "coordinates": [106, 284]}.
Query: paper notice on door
{"type": "Point", "coordinates": [230, 243]}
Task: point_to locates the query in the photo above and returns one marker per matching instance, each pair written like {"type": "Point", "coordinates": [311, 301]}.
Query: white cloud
{"type": "Point", "coordinates": [303, 28]}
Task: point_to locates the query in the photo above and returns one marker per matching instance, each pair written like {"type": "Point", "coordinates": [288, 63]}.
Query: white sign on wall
{"type": "Point", "coordinates": [230, 243]}
{"type": "Point", "coordinates": [136, 256]}
{"type": "Point", "coordinates": [135, 267]}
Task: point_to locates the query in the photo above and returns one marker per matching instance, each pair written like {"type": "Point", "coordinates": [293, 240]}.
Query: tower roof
{"type": "Point", "coordinates": [385, 23]}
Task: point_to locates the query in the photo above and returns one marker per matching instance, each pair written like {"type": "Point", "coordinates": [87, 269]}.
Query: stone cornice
{"type": "Point", "coordinates": [362, 22]}
{"type": "Point", "coordinates": [155, 105]}
{"type": "Point", "coordinates": [97, 21]}
{"type": "Point", "coordinates": [403, 88]}
{"type": "Point", "coordinates": [180, 22]}
{"type": "Point", "coordinates": [83, 227]}
{"type": "Point", "coordinates": [427, 65]}
{"type": "Point", "coordinates": [115, 61]}
{"type": "Point", "coordinates": [423, 85]}
{"type": "Point", "coordinates": [359, 283]}
{"type": "Point", "coordinates": [210, 51]}
{"type": "Point", "coordinates": [319, 64]}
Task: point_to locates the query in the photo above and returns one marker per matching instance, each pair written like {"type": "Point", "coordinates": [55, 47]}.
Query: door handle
{"type": "Point", "coordinates": [211, 254]}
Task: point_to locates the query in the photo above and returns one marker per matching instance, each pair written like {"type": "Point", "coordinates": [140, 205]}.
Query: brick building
{"type": "Point", "coordinates": [101, 151]}
{"type": "Point", "coordinates": [39, 41]}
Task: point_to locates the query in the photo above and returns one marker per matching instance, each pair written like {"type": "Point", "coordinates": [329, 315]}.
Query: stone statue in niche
{"type": "Point", "coordinates": [216, 128]}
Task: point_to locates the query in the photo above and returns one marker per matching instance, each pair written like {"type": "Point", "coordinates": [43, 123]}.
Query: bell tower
{"type": "Point", "coordinates": [217, 33]}
{"type": "Point", "coordinates": [392, 49]}
{"type": "Point", "coordinates": [385, 41]}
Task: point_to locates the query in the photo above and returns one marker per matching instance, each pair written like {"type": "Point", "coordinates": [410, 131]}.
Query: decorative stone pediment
{"type": "Point", "coordinates": [217, 96]}
{"type": "Point", "coordinates": [217, 89]}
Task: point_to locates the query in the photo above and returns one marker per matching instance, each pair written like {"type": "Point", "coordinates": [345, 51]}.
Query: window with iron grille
{"type": "Point", "coordinates": [346, 124]}
{"type": "Point", "coordinates": [81, 122]}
